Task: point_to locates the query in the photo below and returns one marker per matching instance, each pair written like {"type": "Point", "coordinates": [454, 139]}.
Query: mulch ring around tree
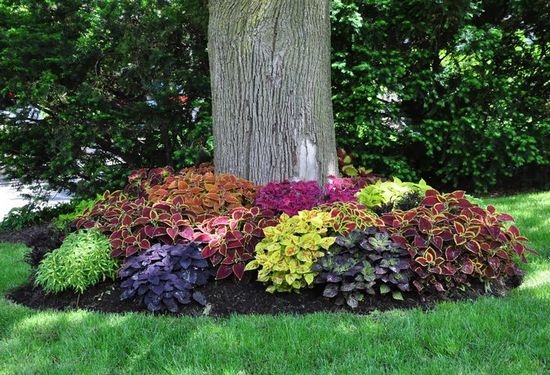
{"type": "Point", "coordinates": [225, 297]}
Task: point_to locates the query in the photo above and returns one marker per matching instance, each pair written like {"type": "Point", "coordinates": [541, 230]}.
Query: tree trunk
{"type": "Point", "coordinates": [271, 97]}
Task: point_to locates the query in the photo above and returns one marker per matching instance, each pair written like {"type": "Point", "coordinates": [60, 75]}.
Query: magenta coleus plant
{"type": "Point", "coordinates": [289, 196]}
{"type": "Point", "coordinates": [343, 189]}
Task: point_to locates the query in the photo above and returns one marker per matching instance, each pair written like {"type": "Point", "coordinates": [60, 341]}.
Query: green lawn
{"type": "Point", "coordinates": [487, 336]}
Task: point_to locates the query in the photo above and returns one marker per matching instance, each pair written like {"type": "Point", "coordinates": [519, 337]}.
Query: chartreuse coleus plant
{"type": "Point", "coordinates": [452, 241]}
{"type": "Point", "coordinates": [288, 251]}
{"type": "Point", "coordinates": [165, 276]}
{"type": "Point", "coordinates": [230, 239]}
{"type": "Point", "coordinates": [134, 225]}
{"type": "Point", "coordinates": [361, 263]}
{"type": "Point", "coordinates": [289, 196]}
{"type": "Point", "coordinates": [382, 192]}
{"type": "Point", "coordinates": [81, 261]}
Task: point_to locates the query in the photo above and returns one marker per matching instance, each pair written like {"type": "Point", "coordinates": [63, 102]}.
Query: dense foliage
{"type": "Point", "coordinates": [165, 276]}
{"type": "Point", "coordinates": [92, 90]}
{"type": "Point", "coordinates": [423, 242]}
{"type": "Point", "coordinates": [365, 262]}
{"type": "Point", "coordinates": [286, 255]}
{"type": "Point", "coordinates": [82, 261]}
{"type": "Point", "coordinates": [455, 92]}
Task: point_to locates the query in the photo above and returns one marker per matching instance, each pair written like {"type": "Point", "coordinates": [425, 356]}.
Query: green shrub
{"type": "Point", "coordinates": [290, 248]}
{"type": "Point", "coordinates": [32, 214]}
{"type": "Point", "coordinates": [82, 261]}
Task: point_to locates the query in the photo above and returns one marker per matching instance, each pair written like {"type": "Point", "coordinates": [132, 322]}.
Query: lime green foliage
{"type": "Point", "coordinates": [290, 248]}
{"type": "Point", "coordinates": [64, 220]}
{"type": "Point", "coordinates": [81, 261]}
{"type": "Point", "coordinates": [389, 191]}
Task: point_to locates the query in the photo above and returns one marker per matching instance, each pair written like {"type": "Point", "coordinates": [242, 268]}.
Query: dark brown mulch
{"type": "Point", "coordinates": [224, 297]}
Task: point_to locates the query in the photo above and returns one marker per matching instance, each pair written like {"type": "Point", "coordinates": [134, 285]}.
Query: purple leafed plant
{"type": "Point", "coordinates": [289, 196]}
{"type": "Point", "coordinates": [165, 276]}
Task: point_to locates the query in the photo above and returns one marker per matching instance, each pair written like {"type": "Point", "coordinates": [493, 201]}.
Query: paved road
{"type": "Point", "coordinates": [11, 198]}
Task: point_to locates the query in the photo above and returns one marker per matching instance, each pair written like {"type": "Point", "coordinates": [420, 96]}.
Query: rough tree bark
{"type": "Point", "coordinates": [271, 93]}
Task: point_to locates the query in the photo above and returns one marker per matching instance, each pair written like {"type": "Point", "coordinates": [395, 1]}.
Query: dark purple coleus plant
{"type": "Point", "coordinates": [289, 196]}
{"type": "Point", "coordinates": [165, 276]}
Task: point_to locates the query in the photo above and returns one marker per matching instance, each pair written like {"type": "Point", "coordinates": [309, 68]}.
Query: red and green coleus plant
{"type": "Point", "coordinates": [348, 216]}
{"type": "Point", "coordinates": [164, 213]}
{"type": "Point", "coordinates": [165, 276]}
{"type": "Point", "coordinates": [141, 180]}
{"type": "Point", "coordinates": [134, 225]}
{"type": "Point", "coordinates": [451, 241]}
{"type": "Point", "coordinates": [230, 239]}
{"type": "Point", "coordinates": [289, 196]}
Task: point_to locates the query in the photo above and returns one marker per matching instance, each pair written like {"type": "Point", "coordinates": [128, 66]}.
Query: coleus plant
{"type": "Point", "coordinates": [133, 225]}
{"type": "Point", "coordinates": [230, 239]}
{"type": "Point", "coordinates": [289, 249]}
{"type": "Point", "coordinates": [452, 240]}
{"type": "Point", "coordinates": [383, 192]}
{"type": "Point", "coordinates": [348, 216]}
{"type": "Point", "coordinates": [363, 262]}
{"type": "Point", "coordinates": [165, 276]}
{"type": "Point", "coordinates": [344, 189]}
{"type": "Point", "coordinates": [289, 196]}
{"type": "Point", "coordinates": [204, 192]}
{"type": "Point", "coordinates": [141, 180]}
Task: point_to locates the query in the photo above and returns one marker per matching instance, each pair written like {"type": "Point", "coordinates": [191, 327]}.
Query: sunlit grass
{"type": "Point", "coordinates": [508, 335]}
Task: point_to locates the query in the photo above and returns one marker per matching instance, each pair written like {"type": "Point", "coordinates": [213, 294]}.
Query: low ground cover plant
{"type": "Point", "coordinates": [82, 261]}
{"type": "Point", "coordinates": [287, 253]}
{"type": "Point", "coordinates": [356, 237]}
{"type": "Point", "coordinates": [165, 276]}
{"type": "Point", "coordinates": [365, 262]}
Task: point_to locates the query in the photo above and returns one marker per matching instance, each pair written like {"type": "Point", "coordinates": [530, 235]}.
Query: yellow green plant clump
{"type": "Point", "coordinates": [286, 254]}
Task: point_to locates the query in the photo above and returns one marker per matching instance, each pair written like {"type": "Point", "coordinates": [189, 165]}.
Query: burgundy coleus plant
{"type": "Point", "coordinates": [289, 196]}
{"type": "Point", "coordinates": [230, 239]}
{"type": "Point", "coordinates": [450, 239]}
{"type": "Point", "coordinates": [133, 225]}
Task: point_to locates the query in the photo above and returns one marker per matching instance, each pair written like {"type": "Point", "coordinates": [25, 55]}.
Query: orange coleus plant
{"type": "Point", "coordinates": [451, 240]}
